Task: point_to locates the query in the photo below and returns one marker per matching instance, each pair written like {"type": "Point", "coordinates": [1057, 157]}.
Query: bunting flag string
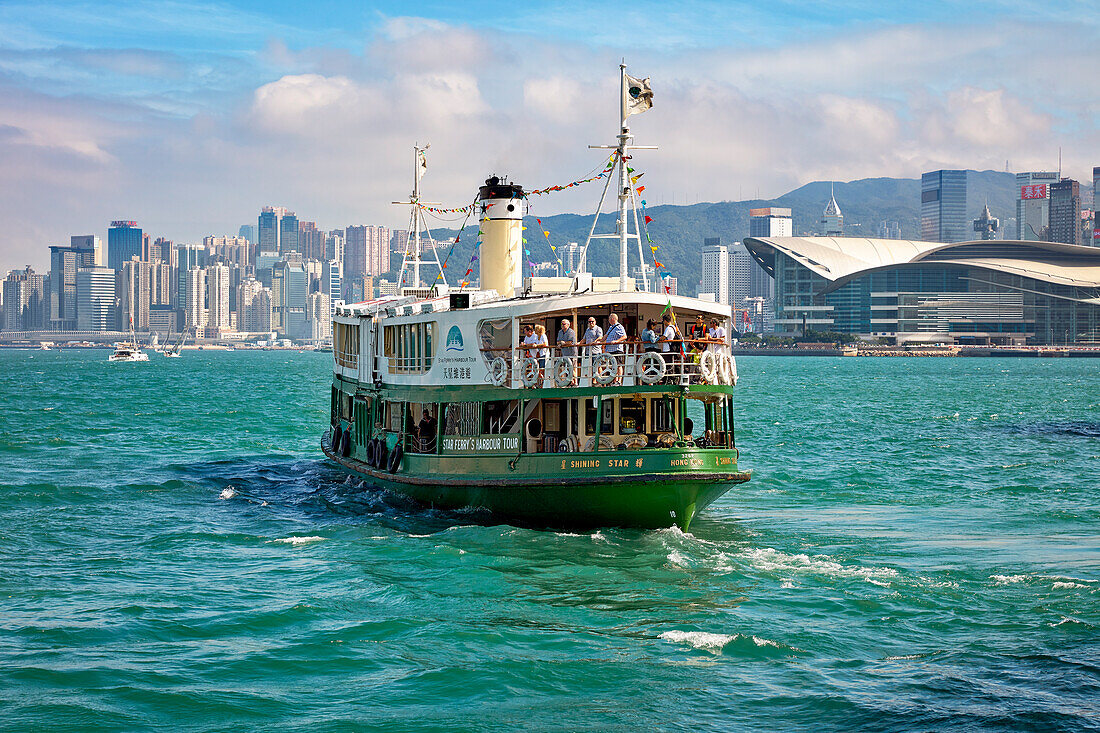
{"type": "Point", "coordinates": [467, 278]}
{"type": "Point", "coordinates": [467, 209]}
{"type": "Point", "coordinates": [470, 210]}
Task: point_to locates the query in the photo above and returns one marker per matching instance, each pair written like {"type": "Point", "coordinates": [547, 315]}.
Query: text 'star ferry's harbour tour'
{"type": "Point", "coordinates": [463, 398]}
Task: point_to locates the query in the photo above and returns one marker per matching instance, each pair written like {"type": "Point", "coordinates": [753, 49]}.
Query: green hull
{"type": "Point", "coordinates": [648, 489]}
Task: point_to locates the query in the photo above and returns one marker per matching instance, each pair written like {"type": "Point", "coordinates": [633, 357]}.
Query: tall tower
{"type": "Point", "coordinates": [1065, 212]}
{"type": "Point", "coordinates": [502, 236]}
{"type": "Point", "coordinates": [987, 225]}
{"type": "Point", "coordinates": [832, 220]}
{"type": "Point", "coordinates": [1033, 205]}
{"type": "Point", "coordinates": [716, 270]}
{"type": "Point", "coordinates": [943, 207]}
{"type": "Point", "coordinates": [123, 243]}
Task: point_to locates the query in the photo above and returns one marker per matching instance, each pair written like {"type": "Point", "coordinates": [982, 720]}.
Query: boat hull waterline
{"type": "Point", "coordinates": [568, 490]}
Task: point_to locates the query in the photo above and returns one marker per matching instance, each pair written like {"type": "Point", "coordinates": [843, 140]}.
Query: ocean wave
{"type": "Point", "coordinates": [299, 540]}
{"type": "Point", "coordinates": [712, 642]}
{"type": "Point", "coordinates": [771, 560]}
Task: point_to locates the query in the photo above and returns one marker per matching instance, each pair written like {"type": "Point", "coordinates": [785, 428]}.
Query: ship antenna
{"type": "Point", "coordinates": [412, 257]}
{"type": "Point", "coordinates": [627, 200]}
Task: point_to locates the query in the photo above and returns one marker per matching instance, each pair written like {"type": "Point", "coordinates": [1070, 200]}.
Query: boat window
{"type": "Point", "coordinates": [631, 417]}
{"type": "Point", "coordinates": [345, 345]}
{"type": "Point", "coordinates": [495, 337]}
{"type": "Point", "coordinates": [409, 347]}
{"type": "Point", "coordinates": [662, 415]}
{"type": "Point", "coordinates": [590, 416]}
{"type": "Point", "coordinates": [462, 418]}
{"type": "Point", "coordinates": [501, 416]}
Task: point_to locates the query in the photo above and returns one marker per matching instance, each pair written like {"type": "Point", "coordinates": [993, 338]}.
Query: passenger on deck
{"type": "Point", "coordinates": [697, 330]}
{"type": "Point", "coordinates": [649, 337]}
{"type": "Point", "coordinates": [592, 348]}
{"type": "Point", "coordinates": [542, 353]}
{"type": "Point", "coordinates": [567, 342]}
{"type": "Point", "coordinates": [425, 431]}
{"type": "Point", "coordinates": [717, 332]}
{"type": "Point", "coordinates": [671, 343]}
{"type": "Point", "coordinates": [530, 341]}
{"type": "Point", "coordinates": [615, 338]}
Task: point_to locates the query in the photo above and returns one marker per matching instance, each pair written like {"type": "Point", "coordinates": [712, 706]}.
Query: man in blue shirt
{"type": "Point", "coordinates": [615, 340]}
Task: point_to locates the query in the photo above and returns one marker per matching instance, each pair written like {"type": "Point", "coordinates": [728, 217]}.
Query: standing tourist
{"type": "Point", "coordinates": [593, 337]}
{"type": "Point", "coordinates": [567, 342]}
{"type": "Point", "coordinates": [615, 339]}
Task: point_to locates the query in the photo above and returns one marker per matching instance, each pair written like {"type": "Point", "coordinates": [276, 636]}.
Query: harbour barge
{"type": "Point", "coordinates": [435, 395]}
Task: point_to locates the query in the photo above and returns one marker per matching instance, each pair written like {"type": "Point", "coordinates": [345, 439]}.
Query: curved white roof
{"type": "Point", "coordinates": [840, 259]}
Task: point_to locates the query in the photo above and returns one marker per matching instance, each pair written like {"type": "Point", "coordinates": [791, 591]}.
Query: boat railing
{"type": "Point", "coordinates": [600, 364]}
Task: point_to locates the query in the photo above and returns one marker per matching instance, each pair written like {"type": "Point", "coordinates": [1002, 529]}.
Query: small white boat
{"type": "Point", "coordinates": [128, 351]}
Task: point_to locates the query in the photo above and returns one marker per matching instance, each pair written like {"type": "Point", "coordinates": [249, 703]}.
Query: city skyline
{"type": "Point", "coordinates": [183, 117]}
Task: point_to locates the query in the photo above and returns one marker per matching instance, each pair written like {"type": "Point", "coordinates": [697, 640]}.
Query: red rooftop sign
{"type": "Point", "coordinates": [1036, 191]}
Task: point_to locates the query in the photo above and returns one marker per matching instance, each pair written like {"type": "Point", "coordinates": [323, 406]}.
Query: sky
{"type": "Point", "coordinates": [188, 117]}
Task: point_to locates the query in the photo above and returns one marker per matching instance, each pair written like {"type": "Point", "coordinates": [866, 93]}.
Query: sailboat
{"type": "Point", "coordinates": [173, 352]}
{"type": "Point", "coordinates": [128, 351]}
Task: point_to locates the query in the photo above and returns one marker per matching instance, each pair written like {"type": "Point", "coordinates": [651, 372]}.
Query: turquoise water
{"type": "Point", "coordinates": [917, 550]}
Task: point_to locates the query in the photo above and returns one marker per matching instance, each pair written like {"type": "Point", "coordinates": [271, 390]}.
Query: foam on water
{"type": "Point", "coordinates": [299, 540]}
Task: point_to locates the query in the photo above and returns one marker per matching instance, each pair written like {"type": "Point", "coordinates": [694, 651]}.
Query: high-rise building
{"type": "Point", "coordinates": [267, 229]}
{"type": "Point", "coordinates": [162, 249]}
{"type": "Point", "coordinates": [311, 241]}
{"type": "Point", "coordinates": [943, 207]}
{"type": "Point", "coordinates": [366, 251]}
{"type": "Point", "coordinates": [573, 258]}
{"type": "Point", "coordinates": [124, 242]}
{"type": "Point", "coordinates": [332, 280]}
{"type": "Point", "coordinates": [217, 298]}
{"type": "Point", "coordinates": [889, 230]}
{"type": "Point", "coordinates": [95, 299]}
{"type": "Point", "coordinates": [987, 225]}
{"type": "Point", "coordinates": [1033, 205]}
{"type": "Point", "coordinates": [289, 288]}
{"type": "Point", "coordinates": [248, 231]}
{"type": "Point", "coordinates": [832, 219]}
{"type": "Point", "coordinates": [319, 312]}
{"type": "Point", "coordinates": [334, 246]}
{"type": "Point", "coordinates": [64, 264]}
{"type": "Point", "coordinates": [24, 300]}
{"type": "Point", "coordinates": [716, 263]}
{"type": "Point", "coordinates": [254, 306]}
{"type": "Point", "coordinates": [1096, 206]}
{"type": "Point", "coordinates": [232, 250]}
{"type": "Point", "coordinates": [92, 242]}
{"type": "Point", "coordinates": [288, 233]}
{"type": "Point", "coordinates": [133, 295]}
{"type": "Point", "coordinates": [188, 256]}
{"type": "Point", "coordinates": [194, 300]}
{"type": "Point", "coordinates": [1065, 212]}
{"type": "Point", "coordinates": [770, 222]}
{"type": "Point", "coordinates": [747, 278]}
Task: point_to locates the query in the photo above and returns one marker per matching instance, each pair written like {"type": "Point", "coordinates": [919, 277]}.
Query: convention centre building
{"type": "Point", "coordinates": [980, 292]}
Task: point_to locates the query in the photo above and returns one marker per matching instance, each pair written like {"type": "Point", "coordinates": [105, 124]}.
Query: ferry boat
{"type": "Point", "coordinates": [435, 395]}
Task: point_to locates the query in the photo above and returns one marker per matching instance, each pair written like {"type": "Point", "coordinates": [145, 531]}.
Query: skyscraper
{"type": "Point", "coordinates": [248, 231]}
{"type": "Point", "coordinates": [1033, 205]}
{"type": "Point", "coordinates": [217, 298]}
{"type": "Point", "coordinates": [254, 307]}
{"type": "Point", "coordinates": [573, 257]}
{"type": "Point", "coordinates": [1095, 206]}
{"type": "Point", "coordinates": [1065, 212]}
{"type": "Point", "coordinates": [64, 264]}
{"type": "Point", "coordinates": [92, 242]}
{"type": "Point", "coordinates": [716, 263]}
{"type": "Point", "coordinates": [267, 229]}
{"type": "Point", "coordinates": [770, 222]}
{"type": "Point", "coordinates": [194, 301]}
{"type": "Point", "coordinates": [832, 219]}
{"type": "Point", "coordinates": [366, 251]}
{"type": "Point", "coordinates": [288, 233]}
{"type": "Point", "coordinates": [95, 299]}
{"type": "Point", "coordinates": [320, 316]}
{"type": "Point", "coordinates": [188, 256]}
{"type": "Point", "coordinates": [289, 289]}
{"type": "Point", "coordinates": [133, 296]}
{"type": "Point", "coordinates": [334, 246]}
{"type": "Point", "coordinates": [311, 241]}
{"type": "Point", "coordinates": [124, 242]}
{"type": "Point", "coordinates": [943, 207]}
{"type": "Point", "coordinates": [987, 225]}
{"type": "Point", "coordinates": [332, 281]}
{"type": "Point", "coordinates": [24, 300]}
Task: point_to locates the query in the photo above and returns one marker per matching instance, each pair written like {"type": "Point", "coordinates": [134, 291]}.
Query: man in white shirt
{"type": "Point", "coordinates": [670, 346]}
{"type": "Point", "coordinates": [717, 332]}
{"type": "Point", "coordinates": [593, 339]}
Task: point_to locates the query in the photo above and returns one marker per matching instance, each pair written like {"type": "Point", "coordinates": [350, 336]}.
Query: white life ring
{"type": "Point", "coordinates": [708, 367]}
{"type": "Point", "coordinates": [650, 368]}
{"type": "Point", "coordinates": [725, 375]}
{"type": "Point", "coordinates": [563, 369]}
{"type": "Point", "coordinates": [605, 370]}
{"type": "Point", "coordinates": [530, 371]}
{"type": "Point", "coordinates": [605, 444]}
{"type": "Point", "coordinates": [733, 370]}
{"type": "Point", "coordinates": [568, 445]}
{"type": "Point", "coordinates": [498, 371]}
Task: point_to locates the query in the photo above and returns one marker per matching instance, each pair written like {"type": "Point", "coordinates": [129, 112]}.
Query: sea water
{"type": "Point", "coordinates": [918, 549]}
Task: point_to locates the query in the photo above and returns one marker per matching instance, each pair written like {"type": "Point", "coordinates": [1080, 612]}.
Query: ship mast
{"type": "Point", "coordinates": [626, 193]}
{"type": "Point", "coordinates": [412, 255]}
